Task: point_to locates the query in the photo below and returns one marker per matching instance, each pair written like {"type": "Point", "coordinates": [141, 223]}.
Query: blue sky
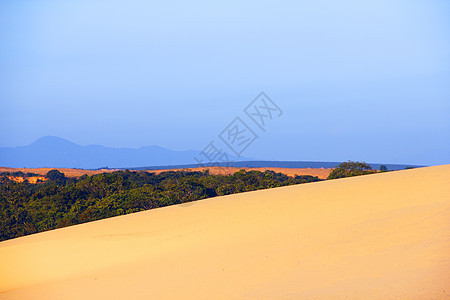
{"type": "Point", "coordinates": [358, 80]}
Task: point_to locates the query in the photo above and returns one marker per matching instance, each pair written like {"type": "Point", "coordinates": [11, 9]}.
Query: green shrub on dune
{"type": "Point", "coordinates": [349, 169]}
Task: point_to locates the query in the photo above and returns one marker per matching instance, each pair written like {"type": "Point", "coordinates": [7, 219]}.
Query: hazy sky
{"type": "Point", "coordinates": [358, 80]}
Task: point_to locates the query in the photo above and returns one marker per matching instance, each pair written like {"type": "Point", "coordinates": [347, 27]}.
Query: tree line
{"type": "Point", "coordinates": [27, 208]}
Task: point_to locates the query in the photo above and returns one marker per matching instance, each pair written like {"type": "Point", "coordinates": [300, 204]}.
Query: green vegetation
{"type": "Point", "coordinates": [18, 174]}
{"type": "Point", "coordinates": [56, 175]}
{"type": "Point", "coordinates": [349, 169]}
{"type": "Point", "coordinates": [383, 168]}
{"type": "Point", "coordinates": [58, 202]}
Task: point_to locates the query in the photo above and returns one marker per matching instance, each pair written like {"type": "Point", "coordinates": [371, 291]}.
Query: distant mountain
{"type": "Point", "coordinates": [55, 152]}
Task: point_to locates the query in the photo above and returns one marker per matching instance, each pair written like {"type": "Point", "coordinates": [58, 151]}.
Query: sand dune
{"type": "Point", "coordinates": [380, 236]}
{"type": "Point", "coordinates": [322, 173]}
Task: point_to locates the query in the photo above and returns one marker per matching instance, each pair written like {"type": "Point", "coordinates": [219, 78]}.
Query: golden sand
{"type": "Point", "coordinates": [380, 236]}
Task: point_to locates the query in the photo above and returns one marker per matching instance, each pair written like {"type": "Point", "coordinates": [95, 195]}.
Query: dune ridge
{"type": "Point", "coordinates": [377, 236]}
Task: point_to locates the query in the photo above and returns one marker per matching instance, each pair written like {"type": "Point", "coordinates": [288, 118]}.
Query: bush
{"type": "Point", "coordinates": [55, 175]}
{"type": "Point", "coordinates": [349, 169]}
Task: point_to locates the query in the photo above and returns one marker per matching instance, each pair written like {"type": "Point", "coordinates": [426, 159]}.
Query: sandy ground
{"type": "Point", "coordinates": [380, 236]}
{"type": "Point", "coordinates": [321, 173]}
{"type": "Point", "coordinates": [33, 179]}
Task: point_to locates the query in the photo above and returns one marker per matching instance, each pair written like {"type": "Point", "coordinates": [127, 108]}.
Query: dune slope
{"type": "Point", "coordinates": [378, 236]}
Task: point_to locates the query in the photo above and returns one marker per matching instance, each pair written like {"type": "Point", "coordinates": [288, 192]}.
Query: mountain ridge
{"type": "Point", "coordinates": [57, 152]}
